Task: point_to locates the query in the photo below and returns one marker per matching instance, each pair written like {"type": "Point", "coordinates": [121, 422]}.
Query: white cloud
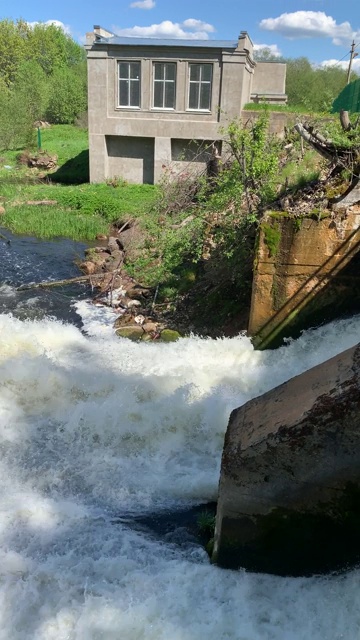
{"type": "Point", "coordinates": [310, 24]}
{"type": "Point", "coordinates": [143, 4]}
{"type": "Point", "coordinates": [191, 29]}
{"type": "Point", "coordinates": [343, 64]}
{"type": "Point", "coordinates": [66, 29]}
{"type": "Point", "coordinates": [193, 24]}
{"type": "Point", "coordinates": [272, 48]}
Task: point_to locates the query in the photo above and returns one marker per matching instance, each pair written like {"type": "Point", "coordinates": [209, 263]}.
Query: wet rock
{"type": "Point", "coordinates": [150, 327]}
{"type": "Point", "coordinates": [114, 245]}
{"type": "Point", "coordinates": [133, 332]}
{"type": "Point", "coordinates": [169, 335]}
{"type": "Point", "coordinates": [123, 320]}
{"type": "Point", "coordinates": [88, 267]}
{"type": "Point", "coordinates": [146, 337]}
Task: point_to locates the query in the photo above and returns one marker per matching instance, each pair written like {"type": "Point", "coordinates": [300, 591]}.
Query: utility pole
{"type": "Point", "coordinates": [352, 56]}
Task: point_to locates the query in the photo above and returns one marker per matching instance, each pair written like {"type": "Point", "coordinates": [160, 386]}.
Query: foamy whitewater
{"type": "Point", "coordinates": [95, 430]}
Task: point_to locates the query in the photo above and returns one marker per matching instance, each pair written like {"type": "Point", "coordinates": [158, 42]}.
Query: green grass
{"type": "Point", "coordinates": [64, 140]}
{"type": "Point", "coordinates": [50, 222]}
{"type": "Point", "coordinates": [297, 173]}
{"type": "Point", "coordinates": [83, 210]}
{"type": "Point", "coordinates": [286, 108]}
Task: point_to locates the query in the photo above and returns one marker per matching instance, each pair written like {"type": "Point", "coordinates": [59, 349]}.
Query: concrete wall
{"type": "Point", "coordinates": [302, 273]}
{"type": "Point", "coordinates": [232, 81]}
{"type": "Point", "coordinates": [269, 82]}
{"type": "Point", "coordinates": [289, 492]}
{"type": "Point", "coordinates": [132, 158]}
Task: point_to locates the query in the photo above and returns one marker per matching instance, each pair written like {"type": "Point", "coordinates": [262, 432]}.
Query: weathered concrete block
{"type": "Point", "coordinates": [302, 273]}
{"type": "Point", "coordinates": [289, 493]}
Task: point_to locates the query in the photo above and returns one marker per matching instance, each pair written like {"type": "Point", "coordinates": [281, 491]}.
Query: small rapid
{"type": "Point", "coordinates": [96, 431]}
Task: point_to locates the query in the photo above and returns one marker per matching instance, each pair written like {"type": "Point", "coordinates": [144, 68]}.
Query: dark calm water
{"type": "Point", "coordinates": [27, 260]}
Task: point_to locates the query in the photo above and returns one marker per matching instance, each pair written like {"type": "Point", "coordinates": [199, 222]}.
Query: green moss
{"type": "Point", "coordinates": [279, 214]}
{"type": "Point", "coordinates": [169, 335]}
{"type": "Point", "coordinates": [318, 214]}
{"type": "Point", "coordinates": [272, 237]}
{"type": "Point", "coordinates": [134, 333]}
{"type": "Point", "coordinates": [206, 522]}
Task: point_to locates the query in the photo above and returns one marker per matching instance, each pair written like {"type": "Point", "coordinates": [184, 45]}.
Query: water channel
{"type": "Point", "coordinates": [96, 433]}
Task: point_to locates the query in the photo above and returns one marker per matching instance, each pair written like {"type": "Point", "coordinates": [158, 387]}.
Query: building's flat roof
{"type": "Point", "coordinates": [166, 42]}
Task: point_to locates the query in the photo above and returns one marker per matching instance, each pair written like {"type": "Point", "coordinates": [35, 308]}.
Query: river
{"type": "Point", "coordinates": [96, 431]}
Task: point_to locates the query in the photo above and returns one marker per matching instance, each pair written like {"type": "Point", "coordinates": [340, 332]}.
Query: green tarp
{"type": "Point", "coordinates": [348, 99]}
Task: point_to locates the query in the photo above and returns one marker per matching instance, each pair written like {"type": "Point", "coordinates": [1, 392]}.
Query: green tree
{"type": "Point", "coordinates": [12, 48]}
{"type": "Point", "coordinates": [66, 96]}
{"type": "Point", "coordinates": [42, 74]}
{"type": "Point", "coordinates": [249, 178]}
{"type": "Point", "coordinates": [314, 88]}
{"type": "Point", "coordinates": [266, 55]}
{"type": "Point", "coordinates": [51, 48]}
{"type": "Point", "coordinates": [31, 87]}
{"type": "Point", "coordinates": [16, 123]}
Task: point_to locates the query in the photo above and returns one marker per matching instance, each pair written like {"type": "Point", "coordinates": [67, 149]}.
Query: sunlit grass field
{"type": "Point", "coordinates": [82, 210]}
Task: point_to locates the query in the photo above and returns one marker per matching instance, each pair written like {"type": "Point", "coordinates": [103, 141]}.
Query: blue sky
{"type": "Point", "coordinates": [321, 30]}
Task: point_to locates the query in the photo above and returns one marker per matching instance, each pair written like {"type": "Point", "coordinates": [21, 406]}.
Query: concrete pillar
{"type": "Point", "coordinates": [289, 493]}
{"type": "Point", "coordinates": [162, 157]}
{"type": "Point", "coordinates": [99, 157]}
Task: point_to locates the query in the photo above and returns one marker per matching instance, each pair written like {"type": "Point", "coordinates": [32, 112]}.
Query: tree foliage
{"type": "Point", "coordinates": [42, 76]}
{"type": "Point", "coordinates": [250, 174]}
{"type": "Point", "coordinates": [314, 88]}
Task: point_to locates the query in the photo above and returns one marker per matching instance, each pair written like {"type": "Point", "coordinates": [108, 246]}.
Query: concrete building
{"type": "Point", "coordinates": [155, 104]}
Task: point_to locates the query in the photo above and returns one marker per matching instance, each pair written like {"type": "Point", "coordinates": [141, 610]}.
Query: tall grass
{"type": "Point", "coordinates": [52, 222]}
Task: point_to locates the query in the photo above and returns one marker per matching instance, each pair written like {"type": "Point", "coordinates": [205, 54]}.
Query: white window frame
{"type": "Point", "coordinates": [130, 80]}
{"type": "Point", "coordinates": [163, 81]}
{"type": "Point", "coordinates": [200, 83]}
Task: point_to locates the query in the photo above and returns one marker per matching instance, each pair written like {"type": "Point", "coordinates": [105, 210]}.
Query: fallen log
{"type": "Point", "coordinates": [5, 238]}
{"type": "Point", "coordinates": [58, 283]}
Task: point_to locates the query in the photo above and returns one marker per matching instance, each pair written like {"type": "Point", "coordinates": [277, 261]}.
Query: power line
{"type": "Point", "coordinates": [346, 55]}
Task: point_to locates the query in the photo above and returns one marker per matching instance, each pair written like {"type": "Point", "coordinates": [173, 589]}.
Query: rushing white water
{"type": "Point", "coordinates": [96, 429]}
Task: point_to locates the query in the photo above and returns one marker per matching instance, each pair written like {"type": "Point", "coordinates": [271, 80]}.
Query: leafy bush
{"type": "Point", "coordinates": [67, 98]}
{"type": "Point", "coordinates": [250, 173]}
{"type": "Point", "coordinates": [16, 123]}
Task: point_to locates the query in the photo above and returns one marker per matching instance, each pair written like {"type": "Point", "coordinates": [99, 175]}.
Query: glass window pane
{"type": "Point", "coordinates": [123, 70]}
{"type": "Point", "coordinates": [194, 96]}
{"type": "Point", "coordinates": [195, 72]}
{"type": "Point", "coordinates": [135, 93]}
{"type": "Point", "coordinates": [124, 93]}
{"type": "Point", "coordinates": [158, 94]}
{"type": "Point", "coordinates": [170, 71]}
{"type": "Point", "coordinates": [205, 95]}
{"type": "Point", "coordinates": [135, 70]}
{"type": "Point", "coordinates": [158, 71]}
{"type": "Point", "coordinates": [169, 95]}
{"type": "Point", "coordinates": [206, 72]}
